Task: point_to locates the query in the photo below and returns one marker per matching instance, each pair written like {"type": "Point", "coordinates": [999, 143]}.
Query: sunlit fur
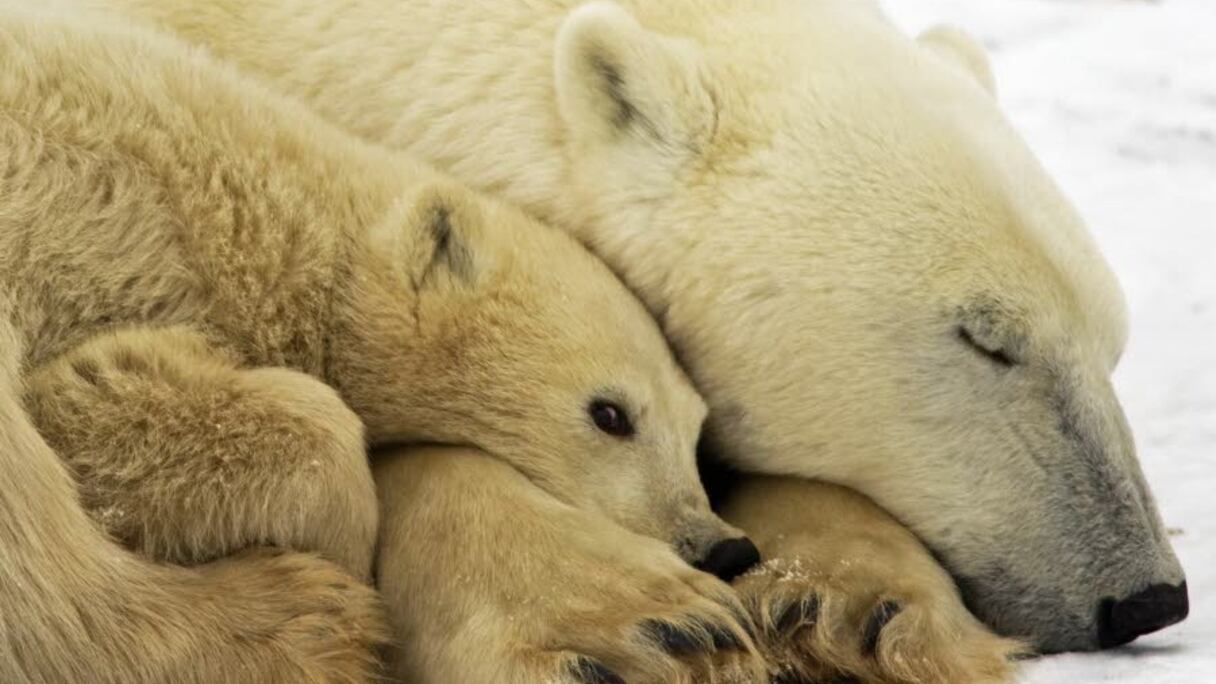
{"type": "Point", "coordinates": [820, 211]}
{"type": "Point", "coordinates": [476, 559]}
{"type": "Point", "coordinates": [198, 278]}
{"type": "Point", "coordinates": [75, 607]}
{"type": "Point", "coordinates": [536, 587]}
{"type": "Point", "coordinates": [837, 562]}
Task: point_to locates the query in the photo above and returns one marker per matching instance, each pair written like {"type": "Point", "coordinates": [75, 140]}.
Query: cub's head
{"type": "Point", "coordinates": [469, 323]}
{"type": "Point", "coordinates": [873, 282]}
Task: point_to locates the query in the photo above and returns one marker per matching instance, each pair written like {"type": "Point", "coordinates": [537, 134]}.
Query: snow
{"type": "Point", "coordinates": [1118, 98]}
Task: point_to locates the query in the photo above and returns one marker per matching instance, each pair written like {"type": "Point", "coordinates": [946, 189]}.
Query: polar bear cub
{"type": "Point", "coordinates": [214, 300]}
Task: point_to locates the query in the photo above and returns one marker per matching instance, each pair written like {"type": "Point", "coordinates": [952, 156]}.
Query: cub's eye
{"type": "Point", "coordinates": [997, 356]}
{"type": "Point", "coordinates": [610, 418]}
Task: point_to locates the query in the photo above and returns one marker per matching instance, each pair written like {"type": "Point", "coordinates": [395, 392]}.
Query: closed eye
{"type": "Point", "coordinates": [997, 356]}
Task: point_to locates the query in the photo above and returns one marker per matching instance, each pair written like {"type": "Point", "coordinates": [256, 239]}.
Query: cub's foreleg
{"type": "Point", "coordinates": [489, 580]}
{"type": "Point", "coordinates": [186, 457]}
{"type": "Point", "coordinates": [848, 591]}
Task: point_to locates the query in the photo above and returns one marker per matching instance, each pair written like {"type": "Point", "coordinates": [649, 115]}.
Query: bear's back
{"type": "Point", "coordinates": [143, 182]}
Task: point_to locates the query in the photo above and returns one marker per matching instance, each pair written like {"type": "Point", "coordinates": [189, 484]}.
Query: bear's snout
{"type": "Point", "coordinates": [1157, 607]}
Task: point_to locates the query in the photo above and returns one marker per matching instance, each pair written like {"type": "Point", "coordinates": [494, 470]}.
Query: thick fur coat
{"type": "Point", "coordinates": [862, 266]}
{"type": "Point", "coordinates": [210, 302]}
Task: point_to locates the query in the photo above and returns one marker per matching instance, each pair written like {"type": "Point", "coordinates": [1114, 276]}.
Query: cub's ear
{"type": "Point", "coordinates": [959, 47]}
{"type": "Point", "coordinates": [443, 223]}
{"type": "Point", "coordinates": [619, 82]}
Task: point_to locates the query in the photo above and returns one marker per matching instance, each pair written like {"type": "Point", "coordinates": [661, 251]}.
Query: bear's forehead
{"type": "Point", "coordinates": [916, 204]}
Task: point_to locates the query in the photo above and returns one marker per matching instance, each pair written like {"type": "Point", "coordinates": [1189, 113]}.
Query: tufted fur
{"type": "Point", "coordinates": [863, 267]}
{"type": "Point", "coordinates": [74, 607]}
{"type": "Point", "coordinates": [539, 590]}
{"type": "Point", "coordinates": [198, 279]}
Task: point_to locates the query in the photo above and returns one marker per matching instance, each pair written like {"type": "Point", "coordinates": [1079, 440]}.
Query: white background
{"type": "Point", "coordinates": [1118, 98]}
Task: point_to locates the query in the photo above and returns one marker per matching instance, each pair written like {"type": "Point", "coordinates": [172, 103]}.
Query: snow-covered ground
{"type": "Point", "coordinates": [1118, 97]}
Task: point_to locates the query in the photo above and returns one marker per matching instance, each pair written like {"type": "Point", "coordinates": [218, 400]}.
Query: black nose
{"type": "Point", "coordinates": [1157, 607]}
{"type": "Point", "coordinates": [730, 558]}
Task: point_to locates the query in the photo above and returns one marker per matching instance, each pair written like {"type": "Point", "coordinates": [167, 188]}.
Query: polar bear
{"type": "Point", "coordinates": [209, 295]}
{"type": "Point", "coordinates": [862, 266]}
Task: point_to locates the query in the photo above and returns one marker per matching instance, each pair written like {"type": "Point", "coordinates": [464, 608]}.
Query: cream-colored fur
{"type": "Point", "coordinates": [490, 580]}
{"type": "Point", "coordinates": [474, 558]}
{"type": "Point", "coordinates": [863, 267]}
{"type": "Point", "coordinates": [849, 592]}
{"type": "Point", "coordinates": [74, 607]}
{"type": "Point", "coordinates": [198, 278]}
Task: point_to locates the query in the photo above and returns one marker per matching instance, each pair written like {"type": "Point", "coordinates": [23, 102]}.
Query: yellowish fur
{"type": "Point", "coordinates": [849, 592]}
{"type": "Point", "coordinates": [490, 580]}
{"type": "Point", "coordinates": [198, 277]}
{"type": "Point", "coordinates": [540, 589]}
{"type": "Point", "coordinates": [185, 456]}
{"type": "Point", "coordinates": [863, 267]}
{"type": "Point", "coordinates": [75, 607]}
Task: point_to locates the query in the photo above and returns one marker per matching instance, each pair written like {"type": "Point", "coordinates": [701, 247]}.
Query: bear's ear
{"type": "Point", "coordinates": [617, 81]}
{"type": "Point", "coordinates": [959, 47]}
{"type": "Point", "coordinates": [442, 222]}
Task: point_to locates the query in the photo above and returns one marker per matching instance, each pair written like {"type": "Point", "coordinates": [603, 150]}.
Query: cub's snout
{"type": "Point", "coordinates": [711, 545]}
{"type": "Point", "coordinates": [729, 558]}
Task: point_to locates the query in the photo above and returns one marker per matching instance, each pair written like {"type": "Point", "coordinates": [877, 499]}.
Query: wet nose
{"type": "Point", "coordinates": [730, 558]}
{"type": "Point", "coordinates": [1157, 607]}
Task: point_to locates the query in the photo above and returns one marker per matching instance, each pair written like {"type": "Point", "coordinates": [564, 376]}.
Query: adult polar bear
{"type": "Point", "coordinates": [863, 267]}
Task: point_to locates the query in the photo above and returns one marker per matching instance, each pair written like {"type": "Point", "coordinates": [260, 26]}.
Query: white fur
{"type": "Point", "coordinates": [817, 209]}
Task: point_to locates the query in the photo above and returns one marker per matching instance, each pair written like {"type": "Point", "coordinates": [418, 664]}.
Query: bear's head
{"type": "Point", "coordinates": [469, 323]}
{"type": "Point", "coordinates": [873, 282]}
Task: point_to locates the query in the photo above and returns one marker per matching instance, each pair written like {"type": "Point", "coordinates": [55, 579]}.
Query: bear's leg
{"type": "Point", "coordinates": [490, 580]}
{"type": "Point", "coordinates": [75, 608]}
{"type": "Point", "coordinates": [185, 457]}
{"type": "Point", "coordinates": [845, 590]}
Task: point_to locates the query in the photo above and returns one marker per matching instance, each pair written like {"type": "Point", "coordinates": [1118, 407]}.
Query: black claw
{"type": "Point", "coordinates": [804, 611]}
{"type": "Point", "coordinates": [879, 618]}
{"type": "Point", "coordinates": [724, 637]}
{"type": "Point", "coordinates": [742, 617]}
{"type": "Point", "coordinates": [591, 671]}
{"type": "Point", "coordinates": [675, 639]}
